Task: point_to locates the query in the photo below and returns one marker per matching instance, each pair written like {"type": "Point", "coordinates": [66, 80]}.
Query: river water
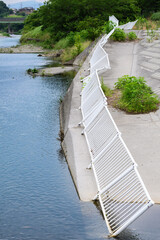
{"type": "Point", "coordinates": [38, 200]}
{"type": "Point", "coordinates": [10, 41]}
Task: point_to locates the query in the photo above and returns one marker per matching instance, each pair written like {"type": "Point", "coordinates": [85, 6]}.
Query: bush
{"type": "Point", "coordinates": [32, 71]}
{"type": "Point", "coordinates": [92, 25]}
{"type": "Point", "coordinates": [137, 96]}
{"type": "Point", "coordinates": [71, 39]}
{"type": "Point", "coordinates": [62, 44]}
{"type": "Point", "coordinates": [109, 26]}
{"type": "Point", "coordinates": [155, 16]}
{"type": "Point", "coordinates": [71, 52]}
{"type": "Point", "coordinates": [6, 34]}
{"type": "Point", "coordinates": [132, 36]}
{"type": "Point", "coordinates": [119, 35]}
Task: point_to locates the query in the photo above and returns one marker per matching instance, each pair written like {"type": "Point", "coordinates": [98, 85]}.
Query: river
{"type": "Point", "coordinates": [38, 200]}
{"type": "Point", "coordinates": [9, 41]}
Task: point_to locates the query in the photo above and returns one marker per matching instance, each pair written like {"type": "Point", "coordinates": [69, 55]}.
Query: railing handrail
{"type": "Point", "coordinates": [114, 168]}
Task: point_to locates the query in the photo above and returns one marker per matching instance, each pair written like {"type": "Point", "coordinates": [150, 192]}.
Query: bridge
{"type": "Point", "coordinates": [9, 21]}
{"type": "Point", "coordinates": [12, 20]}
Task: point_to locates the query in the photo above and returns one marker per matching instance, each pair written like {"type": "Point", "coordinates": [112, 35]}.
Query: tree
{"type": "Point", "coordinates": [60, 17]}
{"type": "Point", "coordinates": [4, 10]}
{"type": "Point", "coordinates": [149, 6]}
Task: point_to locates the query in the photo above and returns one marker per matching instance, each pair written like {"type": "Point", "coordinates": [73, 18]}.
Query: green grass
{"type": "Point", "coordinates": [72, 45]}
{"type": "Point", "coordinates": [62, 44]}
{"type": "Point", "coordinates": [70, 53]}
{"type": "Point", "coordinates": [107, 91]}
{"type": "Point", "coordinates": [14, 16]}
{"type": "Point", "coordinates": [137, 96]}
{"type": "Point", "coordinates": [36, 35]}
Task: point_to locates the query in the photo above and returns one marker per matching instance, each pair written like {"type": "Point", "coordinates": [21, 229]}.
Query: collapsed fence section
{"type": "Point", "coordinates": [121, 192]}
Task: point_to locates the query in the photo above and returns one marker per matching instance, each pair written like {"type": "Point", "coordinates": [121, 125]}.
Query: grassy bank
{"type": "Point", "coordinates": [68, 48]}
{"type": "Point", "coordinates": [36, 35]}
{"type": "Point", "coordinates": [4, 34]}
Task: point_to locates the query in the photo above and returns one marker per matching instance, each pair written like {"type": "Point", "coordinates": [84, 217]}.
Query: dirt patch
{"type": "Point", "coordinates": [113, 100]}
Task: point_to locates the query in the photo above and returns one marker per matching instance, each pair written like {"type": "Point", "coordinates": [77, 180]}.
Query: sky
{"type": "Point", "coordinates": [19, 1]}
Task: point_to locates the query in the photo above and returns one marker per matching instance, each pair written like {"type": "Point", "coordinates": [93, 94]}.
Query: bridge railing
{"type": "Point", "coordinates": [121, 191]}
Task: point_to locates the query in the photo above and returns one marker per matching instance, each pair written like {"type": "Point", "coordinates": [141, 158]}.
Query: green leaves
{"type": "Point", "coordinates": [4, 10]}
{"type": "Point", "coordinates": [109, 26]}
{"type": "Point", "coordinates": [60, 17]}
{"type": "Point", "coordinates": [155, 16]}
{"type": "Point", "coordinates": [119, 35]}
{"type": "Point", "coordinates": [137, 96]}
{"type": "Point", "coordinates": [131, 36]}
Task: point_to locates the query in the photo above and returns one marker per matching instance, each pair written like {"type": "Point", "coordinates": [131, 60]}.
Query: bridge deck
{"type": "Point", "coordinates": [12, 20]}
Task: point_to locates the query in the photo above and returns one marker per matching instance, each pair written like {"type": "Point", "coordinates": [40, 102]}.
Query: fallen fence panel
{"type": "Point", "coordinates": [100, 132]}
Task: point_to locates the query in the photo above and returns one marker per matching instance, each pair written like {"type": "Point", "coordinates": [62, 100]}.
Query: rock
{"type": "Point", "coordinates": [54, 70]}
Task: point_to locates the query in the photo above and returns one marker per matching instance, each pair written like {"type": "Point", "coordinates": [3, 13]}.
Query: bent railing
{"type": "Point", "coordinates": [121, 191]}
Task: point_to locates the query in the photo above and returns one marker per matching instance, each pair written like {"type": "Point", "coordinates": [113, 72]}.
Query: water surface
{"type": "Point", "coordinates": [9, 41]}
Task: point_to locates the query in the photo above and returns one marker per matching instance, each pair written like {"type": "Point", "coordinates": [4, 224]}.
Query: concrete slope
{"type": "Point", "coordinates": [74, 144]}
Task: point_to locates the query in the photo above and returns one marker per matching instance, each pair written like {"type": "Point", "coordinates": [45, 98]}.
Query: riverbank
{"type": "Point", "coordinates": [22, 49]}
{"type": "Point", "coordinates": [67, 66]}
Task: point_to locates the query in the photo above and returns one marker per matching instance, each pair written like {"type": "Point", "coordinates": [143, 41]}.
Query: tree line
{"type": "Point", "coordinates": [4, 10]}
{"type": "Point", "coordinates": [60, 17]}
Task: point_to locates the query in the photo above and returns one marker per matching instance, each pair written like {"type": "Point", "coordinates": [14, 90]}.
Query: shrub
{"type": "Point", "coordinates": [84, 34]}
{"type": "Point", "coordinates": [6, 34]}
{"type": "Point", "coordinates": [70, 39]}
{"type": "Point", "coordinates": [132, 36]}
{"type": "Point", "coordinates": [32, 71]}
{"type": "Point", "coordinates": [155, 16]}
{"type": "Point", "coordinates": [71, 52]}
{"type": "Point", "coordinates": [109, 26]}
{"type": "Point", "coordinates": [78, 44]}
{"type": "Point", "coordinates": [137, 96]}
{"type": "Point", "coordinates": [119, 35]}
{"type": "Point", "coordinates": [92, 25]}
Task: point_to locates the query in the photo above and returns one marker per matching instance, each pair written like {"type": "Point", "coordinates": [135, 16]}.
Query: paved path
{"type": "Point", "coordinates": [140, 132]}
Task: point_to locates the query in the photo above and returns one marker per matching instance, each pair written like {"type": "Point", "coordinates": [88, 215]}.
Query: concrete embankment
{"type": "Point", "coordinates": [74, 144]}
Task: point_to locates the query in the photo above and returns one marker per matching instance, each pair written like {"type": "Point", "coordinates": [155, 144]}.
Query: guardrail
{"type": "Point", "coordinates": [121, 191]}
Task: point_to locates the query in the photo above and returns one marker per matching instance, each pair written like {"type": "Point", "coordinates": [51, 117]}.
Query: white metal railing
{"type": "Point", "coordinates": [121, 192]}
{"type": "Point", "coordinates": [99, 59]}
{"type": "Point", "coordinates": [128, 25]}
{"type": "Point", "coordinates": [114, 20]}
